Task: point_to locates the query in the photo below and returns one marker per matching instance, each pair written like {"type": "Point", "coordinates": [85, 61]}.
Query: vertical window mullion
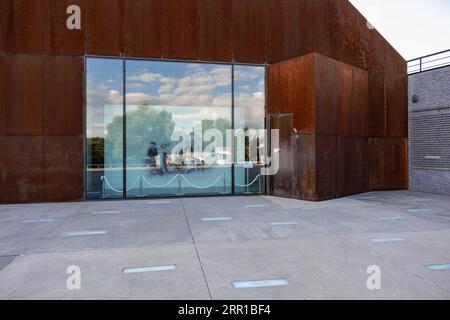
{"type": "Point", "coordinates": [233, 128]}
{"type": "Point", "coordinates": [124, 134]}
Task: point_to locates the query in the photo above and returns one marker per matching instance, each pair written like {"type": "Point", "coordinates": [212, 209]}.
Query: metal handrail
{"type": "Point", "coordinates": [422, 65]}
{"type": "Point", "coordinates": [141, 179]}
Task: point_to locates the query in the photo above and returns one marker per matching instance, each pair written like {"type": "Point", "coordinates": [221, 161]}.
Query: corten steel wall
{"type": "Point", "coordinates": [42, 77]}
{"type": "Point", "coordinates": [323, 117]}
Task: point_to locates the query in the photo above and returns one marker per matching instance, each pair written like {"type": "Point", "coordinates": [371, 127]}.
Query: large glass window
{"type": "Point", "coordinates": [170, 104]}
{"type": "Point", "coordinates": [177, 132]}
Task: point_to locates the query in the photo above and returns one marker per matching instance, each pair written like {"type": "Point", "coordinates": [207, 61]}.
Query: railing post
{"type": "Point", "coordinates": [179, 184]}
{"type": "Point", "coordinates": [248, 180]}
{"type": "Point", "coordinates": [420, 63]}
{"type": "Point", "coordinates": [260, 185]}
{"type": "Point", "coordinates": [141, 191]}
{"type": "Point", "coordinates": [103, 188]}
{"type": "Point", "coordinates": [224, 183]}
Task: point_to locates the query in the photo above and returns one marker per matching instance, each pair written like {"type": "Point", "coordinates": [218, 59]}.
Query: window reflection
{"type": "Point", "coordinates": [177, 128]}
{"type": "Point", "coordinates": [168, 106]}
{"type": "Point", "coordinates": [249, 113]}
{"type": "Point", "coordinates": [104, 130]}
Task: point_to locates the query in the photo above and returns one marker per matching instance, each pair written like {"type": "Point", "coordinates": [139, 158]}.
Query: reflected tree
{"type": "Point", "coordinates": [144, 125]}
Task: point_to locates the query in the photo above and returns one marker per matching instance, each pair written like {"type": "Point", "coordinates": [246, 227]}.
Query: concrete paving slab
{"type": "Point", "coordinates": [318, 268]}
{"type": "Point", "coordinates": [43, 276]}
{"type": "Point", "coordinates": [5, 260]}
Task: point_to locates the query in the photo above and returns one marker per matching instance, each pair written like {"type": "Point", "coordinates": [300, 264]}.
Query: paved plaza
{"type": "Point", "coordinates": [256, 247]}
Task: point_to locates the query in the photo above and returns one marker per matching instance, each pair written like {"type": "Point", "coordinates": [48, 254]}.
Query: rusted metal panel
{"type": "Point", "coordinates": [282, 183]}
{"type": "Point", "coordinates": [64, 161]}
{"type": "Point", "coordinates": [64, 99]}
{"type": "Point", "coordinates": [377, 164]}
{"type": "Point", "coordinates": [180, 28]}
{"type": "Point", "coordinates": [283, 33]}
{"type": "Point", "coordinates": [396, 93]}
{"type": "Point", "coordinates": [215, 30]}
{"type": "Point", "coordinates": [22, 169]}
{"type": "Point", "coordinates": [22, 26]}
{"type": "Point", "coordinates": [388, 164]}
{"type": "Point", "coordinates": [394, 62]}
{"type": "Point", "coordinates": [360, 169]}
{"type": "Point", "coordinates": [371, 43]}
{"type": "Point", "coordinates": [397, 164]}
{"type": "Point", "coordinates": [104, 27]}
{"type": "Point", "coordinates": [3, 21]}
{"type": "Point", "coordinates": [142, 28]}
{"type": "Point", "coordinates": [372, 49]}
{"type": "Point", "coordinates": [59, 39]}
{"type": "Point", "coordinates": [249, 30]}
{"type": "Point", "coordinates": [23, 94]}
{"type": "Point", "coordinates": [2, 96]}
{"type": "Point", "coordinates": [344, 89]}
{"type": "Point", "coordinates": [345, 43]}
{"type": "Point", "coordinates": [304, 167]}
{"type": "Point", "coordinates": [314, 29]}
{"type": "Point", "coordinates": [274, 96]}
{"type": "Point", "coordinates": [345, 154]}
{"type": "Point", "coordinates": [291, 89]}
{"type": "Point", "coordinates": [326, 95]}
{"type": "Point", "coordinates": [360, 112]}
{"type": "Point", "coordinates": [299, 88]}
{"type": "Point", "coordinates": [377, 107]}
{"type": "Point", "coordinates": [325, 167]}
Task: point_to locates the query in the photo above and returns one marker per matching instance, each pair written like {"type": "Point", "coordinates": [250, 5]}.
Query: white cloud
{"type": "Point", "coordinates": [195, 89]}
{"type": "Point", "coordinates": [145, 77]}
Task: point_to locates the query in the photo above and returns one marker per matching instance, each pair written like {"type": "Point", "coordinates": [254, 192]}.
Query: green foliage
{"type": "Point", "coordinates": [145, 124]}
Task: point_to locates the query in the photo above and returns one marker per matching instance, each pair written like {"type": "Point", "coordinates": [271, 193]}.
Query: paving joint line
{"type": "Point", "coordinates": [196, 249]}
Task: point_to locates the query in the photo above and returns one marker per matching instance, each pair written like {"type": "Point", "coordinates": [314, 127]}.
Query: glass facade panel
{"type": "Point", "coordinates": [249, 115]}
{"type": "Point", "coordinates": [104, 129]}
{"type": "Point", "coordinates": [177, 132]}
{"type": "Point", "coordinates": [169, 106]}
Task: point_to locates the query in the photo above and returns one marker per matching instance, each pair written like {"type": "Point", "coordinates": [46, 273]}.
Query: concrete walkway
{"type": "Point", "coordinates": [199, 248]}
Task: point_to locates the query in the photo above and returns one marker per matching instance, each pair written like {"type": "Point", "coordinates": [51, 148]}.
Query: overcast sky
{"type": "Point", "coordinates": [414, 27]}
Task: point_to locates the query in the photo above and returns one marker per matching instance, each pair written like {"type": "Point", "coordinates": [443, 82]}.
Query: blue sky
{"type": "Point", "coordinates": [413, 27]}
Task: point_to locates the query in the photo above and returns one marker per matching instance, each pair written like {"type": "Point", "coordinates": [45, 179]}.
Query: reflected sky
{"type": "Point", "coordinates": [191, 91]}
{"type": "Point", "coordinates": [104, 94]}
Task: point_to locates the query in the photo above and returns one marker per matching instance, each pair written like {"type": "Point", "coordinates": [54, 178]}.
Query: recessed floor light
{"type": "Point", "coordinates": [260, 283]}
{"type": "Point", "coordinates": [84, 233]}
{"type": "Point", "coordinates": [38, 221]}
{"type": "Point", "coordinates": [106, 212]}
{"type": "Point", "coordinates": [439, 267]}
{"type": "Point", "coordinates": [217, 219]}
{"type": "Point", "coordinates": [159, 202]}
{"type": "Point", "coordinates": [419, 210]}
{"type": "Point", "coordinates": [290, 223]}
{"type": "Point", "coordinates": [149, 269]}
{"type": "Point", "coordinates": [387, 240]}
{"type": "Point", "coordinates": [391, 218]}
{"type": "Point", "coordinates": [256, 205]}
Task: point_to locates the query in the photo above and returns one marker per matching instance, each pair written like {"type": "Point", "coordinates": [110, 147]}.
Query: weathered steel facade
{"type": "Point", "coordinates": [338, 83]}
